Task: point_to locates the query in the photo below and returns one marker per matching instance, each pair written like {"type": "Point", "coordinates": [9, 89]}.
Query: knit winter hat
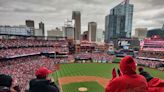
{"type": "Point", "coordinates": [5, 80]}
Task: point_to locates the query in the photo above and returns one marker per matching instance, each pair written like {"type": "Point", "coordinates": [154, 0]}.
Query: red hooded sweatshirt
{"type": "Point", "coordinates": [156, 85]}
{"type": "Point", "coordinates": [129, 81]}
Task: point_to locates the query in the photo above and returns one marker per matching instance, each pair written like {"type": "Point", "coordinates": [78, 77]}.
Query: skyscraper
{"type": "Point", "coordinates": [31, 25]}
{"type": "Point", "coordinates": [92, 28]}
{"type": "Point", "coordinates": [99, 35]}
{"type": "Point", "coordinates": [118, 24]}
{"type": "Point", "coordinates": [69, 29]}
{"type": "Point", "coordinates": [76, 16]}
{"type": "Point", "coordinates": [41, 26]}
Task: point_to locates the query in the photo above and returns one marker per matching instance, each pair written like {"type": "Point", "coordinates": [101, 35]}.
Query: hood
{"type": "Point", "coordinates": [128, 65]}
{"type": "Point", "coordinates": [156, 82]}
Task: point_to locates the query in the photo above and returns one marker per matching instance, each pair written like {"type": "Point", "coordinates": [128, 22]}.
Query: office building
{"type": "Point", "coordinates": [85, 35]}
{"type": "Point", "coordinates": [16, 30]}
{"type": "Point", "coordinates": [158, 31]}
{"type": "Point", "coordinates": [118, 24]}
{"type": "Point", "coordinates": [69, 29]}
{"type": "Point", "coordinates": [76, 16]}
{"type": "Point", "coordinates": [41, 27]}
{"type": "Point", "coordinates": [92, 28]}
{"type": "Point", "coordinates": [55, 33]}
{"type": "Point", "coordinates": [38, 32]}
{"type": "Point", "coordinates": [140, 33]}
{"type": "Point", "coordinates": [100, 35]}
{"type": "Point", "coordinates": [31, 25]}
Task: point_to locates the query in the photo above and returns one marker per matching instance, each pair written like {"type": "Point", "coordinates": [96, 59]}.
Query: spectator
{"type": "Point", "coordinates": [129, 81]}
{"type": "Point", "coordinates": [154, 84]}
{"type": "Point", "coordinates": [23, 69]}
{"type": "Point", "coordinates": [151, 64]}
{"type": "Point", "coordinates": [7, 84]}
{"type": "Point", "coordinates": [145, 74]}
{"type": "Point", "coordinates": [42, 83]}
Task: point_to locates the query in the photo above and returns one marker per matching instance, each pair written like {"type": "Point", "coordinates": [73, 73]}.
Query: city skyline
{"type": "Point", "coordinates": [53, 12]}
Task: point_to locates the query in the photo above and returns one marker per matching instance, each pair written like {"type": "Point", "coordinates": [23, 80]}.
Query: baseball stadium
{"type": "Point", "coordinates": [93, 50]}
{"type": "Point", "coordinates": [89, 69]}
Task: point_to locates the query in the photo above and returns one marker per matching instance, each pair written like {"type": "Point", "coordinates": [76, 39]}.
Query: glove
{"type": "Point", "coordinates": [114, 75]}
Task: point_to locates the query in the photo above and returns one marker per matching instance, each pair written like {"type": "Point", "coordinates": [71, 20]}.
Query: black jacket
{"type": "Point", "coordinates": [4, 89]}
{"type": "Point", "coordinates": [42, 85]}
{"type": "Point", "coordinates": [147, 76]}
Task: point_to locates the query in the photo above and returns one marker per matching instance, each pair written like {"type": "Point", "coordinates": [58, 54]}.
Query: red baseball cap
{"type": "Point", "coordinates": [43, 72]}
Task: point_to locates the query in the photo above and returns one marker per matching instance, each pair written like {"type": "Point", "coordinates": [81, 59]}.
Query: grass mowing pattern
{"type": "Point", "coordinates": [88, 69]}
{"type": "Point", "coordinates": [94, 69]}
{"type": "Point", "coordinates": [91, 86]}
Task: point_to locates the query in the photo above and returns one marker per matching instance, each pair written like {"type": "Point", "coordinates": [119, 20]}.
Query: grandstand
{"type": "Point", "coordinates": [153, 48]}
{"type": "Point", "coordinates": [21, 56]}
{"type": "Point", "coordinates": [18, 46]}
{"type": "Point", "coordinates": [152, 53]}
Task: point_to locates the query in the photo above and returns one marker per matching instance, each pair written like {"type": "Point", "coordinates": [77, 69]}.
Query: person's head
{"type": "Point", "coordinates": [128, 65]}
{"type": "Point", "coordinates": [140, 69]}
{"type": "Point", "coordinates": [6, 83]}
{"type": "Point", "coordinates": [42, 73]}
{"type": "Point", "coordinates": [5, 80]}
{"type": "Point", "coordinates": [147, 76]}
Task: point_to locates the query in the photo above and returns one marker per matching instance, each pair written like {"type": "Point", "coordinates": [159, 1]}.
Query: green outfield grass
{"type": "Point", "coordinates": [91, 86]}
{"type": "Point", "coordinates": [94, 69]}
{"type": "Point", "coordinates": [91, 69]}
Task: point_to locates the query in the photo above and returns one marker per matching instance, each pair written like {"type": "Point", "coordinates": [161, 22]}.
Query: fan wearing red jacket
{"type": "Point", "coordinates": [154, 84]}
{"type": "Point", "coordinates": [129, 81]}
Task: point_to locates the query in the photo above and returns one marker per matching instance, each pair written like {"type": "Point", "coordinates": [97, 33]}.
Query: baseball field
{"type": "Point", "coordinates": [89, 77]}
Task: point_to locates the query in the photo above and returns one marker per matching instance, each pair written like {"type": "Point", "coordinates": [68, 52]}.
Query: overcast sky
{"type": "Point", "coordinates": [147, 13]}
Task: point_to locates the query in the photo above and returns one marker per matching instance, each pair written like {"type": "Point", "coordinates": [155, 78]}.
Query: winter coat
{"type": "Point", "coordinates": [42, 85]}
{"type": "Point", "coordinates": [156, 85]}
{"type": "Point", "coordinates": [129, 81]}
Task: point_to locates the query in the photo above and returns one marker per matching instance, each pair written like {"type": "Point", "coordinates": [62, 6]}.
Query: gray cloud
{"type": "Point", "coordinates": [90, 1]}
{"type": "Point", "coordinates": [147, 13]}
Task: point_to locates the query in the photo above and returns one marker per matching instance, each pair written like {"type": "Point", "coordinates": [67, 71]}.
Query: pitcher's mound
{"type": "Point", "coordinates": [83, 89]}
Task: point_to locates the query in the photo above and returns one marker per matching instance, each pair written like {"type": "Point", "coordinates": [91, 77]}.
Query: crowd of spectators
{"type": "Point", "coordinates": [102, 57]}
{"type": "Point", "coordinates": [152, 64]}
{"type": "Point", "coordinates": [23, 69]}
{"type": "Point", "coordinates": [24, 51]}
{"type": "Point", "coordinates": [151, 54]}
{"type": "Point", "coordinates": [68, 59]}
{"type": "Point", "coordinates": [7, 43]}
{"type": "Point", "coordinates": [96, 57]}
{"type": "Point", "coordinates": [17, 47]}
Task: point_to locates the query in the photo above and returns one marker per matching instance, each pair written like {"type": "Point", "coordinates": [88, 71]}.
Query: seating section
{"type": "Point", "coordinates": [23, 69]}
{"type": "Point", "coordinates": [17, 47]}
